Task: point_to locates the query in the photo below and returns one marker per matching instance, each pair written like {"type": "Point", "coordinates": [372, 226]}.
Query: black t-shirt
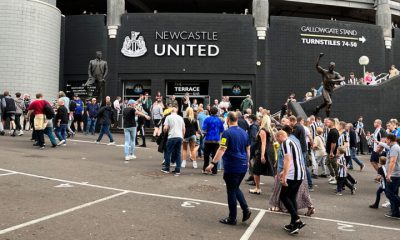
{"type": "Point", "coordinates": [62, 114]}
{"type": "Point", "coordinates": [191, 127]}
{"type": "Point", "coordinates": [129, 117]}
{"type": "Point", "coordinates": [243, 124]}
{"type": "Point", "coordinates": [72, 106]}
{"type": "Point", "coordinates": [333, 137]}
{"type": "Point", "coordinates": [353, 138]}
{"type": "Point", "coordinates": [300, 133]}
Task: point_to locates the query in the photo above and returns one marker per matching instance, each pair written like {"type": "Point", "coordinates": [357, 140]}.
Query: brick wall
{"type": "Point", "coordinates": [30, 47]}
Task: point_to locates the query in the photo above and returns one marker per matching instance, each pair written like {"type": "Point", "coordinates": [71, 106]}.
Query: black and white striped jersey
{"type": "Point", "coordinates": [345, 138]}
{"type": "Point", "coordinates": [342, 169]}
{"type": "Point", "coordinates": [297, 169]}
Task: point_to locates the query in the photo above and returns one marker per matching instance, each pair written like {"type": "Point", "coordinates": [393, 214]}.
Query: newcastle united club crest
{"type": "Point", "coordinates": [134, 46]}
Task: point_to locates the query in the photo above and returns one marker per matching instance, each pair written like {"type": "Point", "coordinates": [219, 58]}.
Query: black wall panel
{"type": "Point", "coordinates": [85, 34]}
{"type": "Point", "coordinates": [292, 63]}
{"type": "Point", "coordinates": [235, 39]}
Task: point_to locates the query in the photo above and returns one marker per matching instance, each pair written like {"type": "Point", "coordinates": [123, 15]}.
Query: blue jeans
{"type": "Point", "coordinates": [174, 150]}
{"type": "Point", "coordinates": [309, 179]}
{"type": "Point", "coordinates": [61, 132]}
{"type": "Point", "coordinates": [91, 125]}
{"type": "Point", "coordinates": [130, 140]}
{"type": "Point", "coordinates": [391, 191]}
{"type": "Point", "coordinates": [105, 129]}
{"type": "Point", "coordinates": [353, 155]}
{"type": "Point", "coordinates": [49, 132]}
{"type": "Point", "coordinates": [201, 147]}
{"type": "Point", "coordinates": [232, 181]}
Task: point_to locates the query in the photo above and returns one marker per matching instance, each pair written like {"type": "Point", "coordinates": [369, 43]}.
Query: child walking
{"type": "Point", "coordinates": [382, 180]}
{"type": "Point", "coordinates": [342, 173]}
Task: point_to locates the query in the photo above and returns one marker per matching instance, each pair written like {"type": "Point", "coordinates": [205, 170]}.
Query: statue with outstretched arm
{"type": "Point", "coordinates": [329, 79]}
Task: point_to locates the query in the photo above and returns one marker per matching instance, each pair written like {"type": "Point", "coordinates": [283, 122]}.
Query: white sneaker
{"type": "Point", "coordinates": [183, 165]}
{"type": "Point", "coordinates": [173, 165]}
{"type": "Point", "coordinates": [111, 144]}
{"type": "Point", "coordinates": [21, 133]}
{"type": "Point", "coordinates": [61, 143]}
{"type": "Point", "coordinates": [333, 182]}
{"type": "Point", "coordinates": [386, 204]}
{"type": "Point", "coordinates": [127, 158]}
{"type": "Point", "coordinates": [194, 164]}
{"type": "Point", "coordinates": [132, 157]}
{"type": "Point", "coordinates": [97, 142]}
{"type": "Point", "coordinates": [331, 179]}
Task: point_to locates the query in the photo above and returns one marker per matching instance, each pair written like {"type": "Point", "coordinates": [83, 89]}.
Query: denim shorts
{"type": "Point", "coordinates": [190, 139]}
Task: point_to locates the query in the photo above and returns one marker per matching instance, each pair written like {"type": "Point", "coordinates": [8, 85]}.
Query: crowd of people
{"type": "Point", "coordinates": [291, 150]}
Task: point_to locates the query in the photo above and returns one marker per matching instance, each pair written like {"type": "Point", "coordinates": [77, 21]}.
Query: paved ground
{"type": "Point", "coordinates": [87, 191]}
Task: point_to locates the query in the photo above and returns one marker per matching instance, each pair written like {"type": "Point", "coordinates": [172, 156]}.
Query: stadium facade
{"type": "Point", "coordinates": [207, 48]}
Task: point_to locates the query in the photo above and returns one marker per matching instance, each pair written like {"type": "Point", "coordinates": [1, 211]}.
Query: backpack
{"type": "Point", "coordinates": [48, 111]}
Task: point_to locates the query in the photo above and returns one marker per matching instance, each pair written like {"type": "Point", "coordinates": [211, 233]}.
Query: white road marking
{"type": "Point", "coordinates": [345, 227]}
{"type": "Point", "coordinates": [189, 204]}
{"type": "Point", "coordinates": [253, 225]}
{"type": "Point", "coordinates": [7, 174]}
{"type": "Point", "coordinates": [10, 229]}
{"type": "Point", "coordinates": [64, 185]}
{"type": "Point", "coordinates": [192, 199]}
{"type": "Point", "coordinates": [91, 142]}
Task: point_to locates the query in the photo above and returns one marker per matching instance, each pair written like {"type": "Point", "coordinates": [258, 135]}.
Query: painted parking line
{"type": "Point", "coordinates": [91, 142]}
{"type": "Point", "coordinates": [253, 225]}
{"type": "Point", "coordinates": [7, 174]}
{"type": "Point", "coordinates": [193, 200]}
{"type": "Point", "coordinates": [26, 224]}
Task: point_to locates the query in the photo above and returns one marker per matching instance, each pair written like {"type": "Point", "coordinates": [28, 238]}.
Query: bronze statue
{"type": "Point", "coordinates": [329, 79]}
{"type": "Point", "coordinates": [98, 70]}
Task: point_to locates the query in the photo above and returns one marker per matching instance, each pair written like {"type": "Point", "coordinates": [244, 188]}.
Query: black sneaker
{"type": "Point", "coordinates": [2, 133]}
{"type": "Point", "coordinates": [228, 221]}
{"type": "Point", "coordinates": [299, 224]}
{"type": "Point", "coordinates": [164, 170]}
{"type": "Point", "coordinates": [246, 215]}
{"type": "Point", "coordinates": [388, 215]}
{"type": "Point", "coordinates": [323, 176]}
{"type": "Point", "coordinates": [374, 206]}
{"type": "Point", "coordinates": [176, 173]}
{"type": "Point", "coordinates": [291, 229]}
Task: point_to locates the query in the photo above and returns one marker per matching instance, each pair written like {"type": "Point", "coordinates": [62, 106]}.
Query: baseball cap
{"type": "Point", "coordinates": [131, 102]}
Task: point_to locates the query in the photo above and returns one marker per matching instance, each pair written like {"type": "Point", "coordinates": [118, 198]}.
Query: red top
{"type": "Point", "coordinates": [38, 106]}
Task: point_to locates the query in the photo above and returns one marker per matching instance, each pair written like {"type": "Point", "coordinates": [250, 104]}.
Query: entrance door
{"type": "Point", "coordinates": [236, 91]}
{"type": "Point", "coordinates": [134, 88]}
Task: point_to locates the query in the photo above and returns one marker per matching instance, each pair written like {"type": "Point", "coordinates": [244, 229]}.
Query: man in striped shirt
{"type": "Point", "coordinates": [291, 177]}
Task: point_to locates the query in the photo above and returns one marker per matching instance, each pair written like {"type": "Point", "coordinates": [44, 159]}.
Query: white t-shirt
{"type": "Point", "coordinates": [176, 126]}
{"type": "Point", "coordinates": [307, 132]}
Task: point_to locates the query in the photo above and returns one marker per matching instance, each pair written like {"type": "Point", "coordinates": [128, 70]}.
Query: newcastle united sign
{"type": "Point", "coordinates": [135, 46]}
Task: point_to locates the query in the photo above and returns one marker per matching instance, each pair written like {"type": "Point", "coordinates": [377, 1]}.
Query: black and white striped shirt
{"type": "Point", "coordinates": [342, 169]}
{"type": "Point", "coordinates": [325, 134]}
{"type": "Point", "coordinates": [296, 170]}
{"type": "Point", "coordinates": [314, 127]}
{"type": "Point", "coordinates": [344, 138]}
